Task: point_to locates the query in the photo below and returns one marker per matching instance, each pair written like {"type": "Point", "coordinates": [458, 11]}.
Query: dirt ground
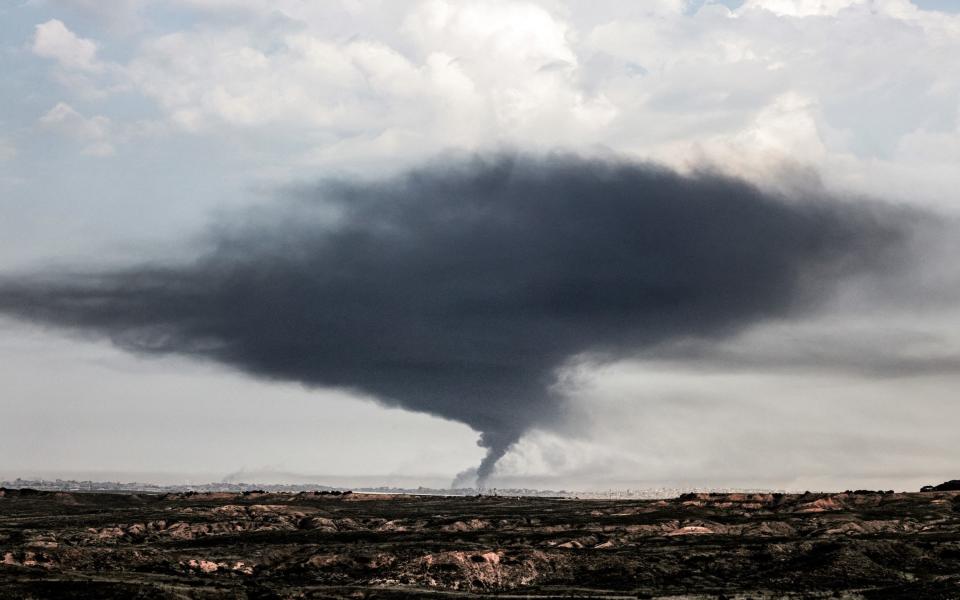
{"type": "Point", "coordinates": [310, 545]}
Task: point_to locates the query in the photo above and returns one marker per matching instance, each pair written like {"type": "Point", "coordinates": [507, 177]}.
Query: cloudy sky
{"type": "Point", "coordinates": [140, 132]}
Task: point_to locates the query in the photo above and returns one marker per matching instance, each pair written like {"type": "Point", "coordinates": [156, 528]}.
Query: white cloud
{"type": "Point", "coordinates": [782, 137]}
{"type": "Point", "coordinates": [93, 132]}
{"type": "Point", "coordinates": [802, 8]}
{"type": "Point", "coordinates": [53, 40]}
{"type": "Point", "coordinates": [850, 92]}
{"type": "Point", "coordinates": [469, 75]}
{"type": "Point", "coordinates": [205, 80]}
{"type": "Point", "coordinates": [493, 36]}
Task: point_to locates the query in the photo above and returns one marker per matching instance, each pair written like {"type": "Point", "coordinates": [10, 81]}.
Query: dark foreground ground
{"type": "Point", "coordinates": [272, 546]}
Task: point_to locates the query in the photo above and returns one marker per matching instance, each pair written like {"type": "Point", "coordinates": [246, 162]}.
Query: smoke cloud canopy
{"type": "Point", "coordinates": [458, 289]}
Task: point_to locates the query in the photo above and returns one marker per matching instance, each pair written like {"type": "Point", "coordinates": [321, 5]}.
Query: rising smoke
{"type": "Point", "coordinates": [459, 289]}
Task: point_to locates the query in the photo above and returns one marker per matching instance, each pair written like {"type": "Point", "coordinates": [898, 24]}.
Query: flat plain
{"type": "Point", "coordinates": [271, 546]}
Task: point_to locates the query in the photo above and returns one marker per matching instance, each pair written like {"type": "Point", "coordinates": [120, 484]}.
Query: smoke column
{"type": "Point", "coordinates": [459, 288]}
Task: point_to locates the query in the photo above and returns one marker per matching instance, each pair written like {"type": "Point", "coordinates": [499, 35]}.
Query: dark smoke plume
{"type": "Point", "coordinates": [458, 289]}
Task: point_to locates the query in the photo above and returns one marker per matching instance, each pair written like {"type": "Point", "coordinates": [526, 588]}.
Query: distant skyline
{"type": "Point", "coordinates": [141, 132]}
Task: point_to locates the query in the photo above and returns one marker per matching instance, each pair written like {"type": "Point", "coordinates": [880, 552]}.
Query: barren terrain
{"type": "Point", "coordinates": [313, 545]}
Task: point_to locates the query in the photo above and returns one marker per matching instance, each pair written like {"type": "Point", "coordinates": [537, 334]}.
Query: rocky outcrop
{"type": "Point", "coordinates": [948, 486]}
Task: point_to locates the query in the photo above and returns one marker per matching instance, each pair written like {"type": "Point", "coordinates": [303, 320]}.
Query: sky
{"type": "Point", "coordinates": [144, 133]}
